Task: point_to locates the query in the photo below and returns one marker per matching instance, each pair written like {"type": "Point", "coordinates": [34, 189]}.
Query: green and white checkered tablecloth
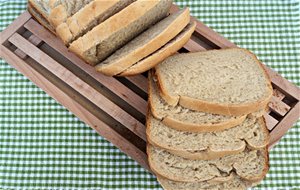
{"type": "Point", "coordinates": [44, 146]}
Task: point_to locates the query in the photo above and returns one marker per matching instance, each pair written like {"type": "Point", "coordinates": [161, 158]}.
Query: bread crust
{"type": "Point", "coordinates": [124, 62]}
{"type": "Point", "coordinates": [217, 108]}
{"type": "Point", "coordinates": [191, 127]}
{"type": "Point", "coordinates": [264, 153]}
{"type": "Point", "coordinates": [266, 132]}
{"type": "Point", "coordinates": [58, 15]}
{"type": "Point", "coordinates": [97, 34]}
{"type": "Point", "coordinates": [64, 33]}
{"type": "Point", "coordinates": [158, 56]}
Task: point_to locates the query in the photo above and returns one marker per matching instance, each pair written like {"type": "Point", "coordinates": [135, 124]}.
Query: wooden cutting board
{"type": "Point", "coordinates": [116, 107]}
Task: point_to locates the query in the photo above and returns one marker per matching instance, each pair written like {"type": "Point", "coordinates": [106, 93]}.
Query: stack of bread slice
{"type": "Point", "coordinates": [205, 125]}
{"type": "Point", "coordinates": [118, 37]}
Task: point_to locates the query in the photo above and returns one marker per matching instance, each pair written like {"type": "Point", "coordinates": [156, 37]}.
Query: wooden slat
{"type": "Point", "coordinates": [278, 94]}
{"type": "Point", "coordinates": [114, 85]}
{"type": "Point", "coordinates": [192, 46]}
{"type": "Point", "coordinates": [34, 40]}
{"type": "Point", "coordinates": [271, 122]}
{"type": "Point", "coordinates": [279, 107]}
{"type": "Point", "coordinates": [285, 123]}
{"type": "Point", "coordinates": [68, 102]}
{"type": "Point", "coordinates": [65, 75]}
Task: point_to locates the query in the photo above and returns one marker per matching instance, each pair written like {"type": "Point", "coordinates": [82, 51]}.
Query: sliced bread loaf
{"type": "Point", "coordinates": [184, 119]}
{"type": "Point", "coordinates": [251, 165]}
{"type": "Point", "coordinates": [145, 44]}
{"type": "Point", "coordinates": [88, 17]}
{"type": "Point", "coordinates": [208, 145]}
{"type": "Point", "coordinates": [234, 183]}
{"type": "Point", "coordinates": [158, 56]}
{"type": "Point", "coordinates": [110, 35]}
{"type": "Point", "coordinates": [64, 9]}
{"type": "Point", "coordinates": [228, 81]}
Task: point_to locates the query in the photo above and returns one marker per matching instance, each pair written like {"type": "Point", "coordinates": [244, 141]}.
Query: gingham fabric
{"type": "Point", "coordinates": [44, 146]}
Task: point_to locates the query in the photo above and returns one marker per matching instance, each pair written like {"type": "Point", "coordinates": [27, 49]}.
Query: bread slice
{"type": "Point", "coordinates": [234, 183]}
{"type": "Point", "coordinates": [158, 56]}
{"type": "Point", "coordinates": [110, 35]}
{"type": "Point", "coordinates": [41, 13]}
{"type": "Point", "coordinates": [229, 81]}
{"type": "Point", "coordinates": [145, 44]}
{"type": "Point", "coordinates": [88, 17]}
{"type": "Point", "coordinates": [184, 119]}
{"type": "Point", "coordinates": [251, 165]}
{"type": "Point", "coordinates": [65, 9]}
{"type": "Point", "coordinates": [208, 145]}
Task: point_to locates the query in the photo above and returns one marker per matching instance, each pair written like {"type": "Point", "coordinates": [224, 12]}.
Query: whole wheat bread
{"type": "Point", "coordinates": [88, 17]}
{"type": "Point", "coordinates": [229, 81]}
{"type": "Point", "coordinates": [116, 31]}
{"type": "Point", "coordinates": [181, 118]}
{"type": "Point", "coordinates": [251, 165]}
{"type": "Point", "coordinates": [145, 44]}
{"type": "Point", "coordinates": [158, 56]}
{"type": "Point", "coordinates": [208, 145]}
